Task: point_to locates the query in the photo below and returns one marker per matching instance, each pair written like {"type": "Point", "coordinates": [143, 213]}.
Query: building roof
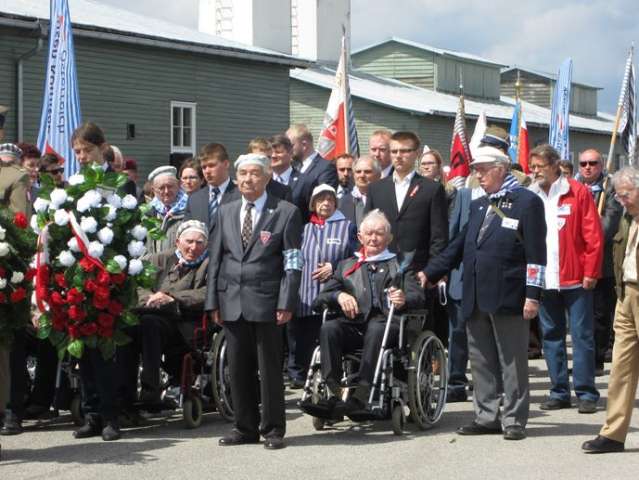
{"type": "Point", "coordinates": [550, 76]}
{"type": "Point", "coordinates": [420, 101]}
{"type": "Point", "coordinates": [440, 51]}
{"type": "Point", "coordinates": [94, 19]}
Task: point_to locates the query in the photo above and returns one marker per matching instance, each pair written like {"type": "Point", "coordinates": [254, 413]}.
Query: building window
{"type": "Point", "coordinates": [183, 127]}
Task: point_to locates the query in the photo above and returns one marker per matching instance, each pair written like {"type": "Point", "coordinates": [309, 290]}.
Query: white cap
{"type": "Point", "coordinates": [253, 159]}
{"type": "Point", "coordinates": [489, 155]}
{"type": "Point", "coordinates": [192, 226]}
{"type": "Point", "coordinates": [320, 189]}
{"type": "Point", "coordinates": [164, 170]}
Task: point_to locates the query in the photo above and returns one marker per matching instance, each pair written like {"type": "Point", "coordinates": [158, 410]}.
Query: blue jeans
{"type": "Point", "coordinates": [552, 315]}
{"type": "Point", "coordinates": [457, 348]}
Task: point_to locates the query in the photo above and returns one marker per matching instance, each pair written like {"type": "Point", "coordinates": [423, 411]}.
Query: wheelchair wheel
{"type": "Point", "coordinates": [398, 419]}
{"type": "Point", "coordinates": [76, 411]}
{"type": "Point", "coordinates": [427, 380]}
{"type": "Point", "coordinates": [192, 412]}
{"type": "Point", "coordinates": [220, 378]}
{"type": "Point", "coordinates": [319, 423]}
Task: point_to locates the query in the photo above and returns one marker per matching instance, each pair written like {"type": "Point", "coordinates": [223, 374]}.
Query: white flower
{"type": "Point", "coordinates": [3, 283]}
{"type": "Point", "coordinates": [83, 205]}
{"type": "Point", "coordinates": [4, 249]}
{"type": "Point", "coordinates": [3, 233]}
{"type": "Point", "coordinates": [34, 224]}
{"type": "Point", "coordinates": [61, 217]}
{"type": "Point", "coordinates": [66, 258]}
{"type": "Point", "coordinates": [88, 224]}
{"type": "Point", "coordinates": [129, 202]}
{"type": "Point", "coordinates": [73, 244]}
{"type": "Point", "coordinates": [76, 179]}
{"type": "Point", "coordinates": [93, 197]}
{"type": "Point", "coordinates": [120, 260]}
{"type": "Point", "coordinates": [115, 200]}
{"type": "Point", "coordinates": [105, 235]}
{"type": "Point", "coordinates": [17, 277]}
{"type": "Point", "coordinates": [96, 249]}
{"type": "Point", "coordinates": [113, 213]}
{"type": "Point", "coordinates": [135, 266]}
{"type": "Point", "coordinates": [136, 248]}
{"type": "Point", "coordinates": [58, 197]}
{"type": "Point", "coordinates": [139, 232]}
{"type": "Point", "coordinates": [40, 205]}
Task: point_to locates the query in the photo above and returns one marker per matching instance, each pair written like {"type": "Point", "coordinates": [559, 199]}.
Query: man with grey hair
{"type": "Point", "coordinates": [379, 149]}
{"type": "Point", "coordinates": [574, 243]}
{"type": "Point", "coordinates": [503, 251]}
{"type": "Point", "coordinates": [358, 290]}
{"type": "Point", "coordinates": [622, 385]}
{"type": "Point", "coordinates": [168, 204]}
{"type": "Point", "coordinates": [366, 170]}
{"type": "Point", "coordinates": [253, 290]}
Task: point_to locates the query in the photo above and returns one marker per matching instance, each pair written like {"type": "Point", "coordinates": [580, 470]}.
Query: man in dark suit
{"type": "Point", "coordinates": [503, 248]}
{"type": "Point", "coordinates": [366, 170]}
{"type": "Point", "coordinates": [204, 203]}
{"type": "Point", "coordinates": [253, 289]}
{"type": "Point", "coordinates": [313, 169]}
{"type": "Point", "coordinates": [415, 206]}
{"type": "Point", "coordinates": [379, 149]}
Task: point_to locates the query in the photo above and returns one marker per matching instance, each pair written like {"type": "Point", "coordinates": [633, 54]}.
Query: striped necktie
{"type": "Point", "coordinates": [247, 225]}
{"type": "Point", "coordinates": [213, 202]}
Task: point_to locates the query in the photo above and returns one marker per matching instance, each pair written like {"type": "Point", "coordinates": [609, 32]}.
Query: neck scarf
{"type": "Point", "coordinates": [316, 220]}
{"type": "Point", "coordinates": [362, 258]}
{"type": "Point", "coordinates": [194, 264]}
{"type": "Point", "coordinates": [176, 207]}
{"type": "Point", "coordinates": [510, 184]}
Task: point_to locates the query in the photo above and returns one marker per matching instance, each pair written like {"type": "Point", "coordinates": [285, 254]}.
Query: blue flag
{"type": "Point", "coordinates": [560, 113]}
{"type": "Point", "coordinates": [514, 134]}
{"type": "Point", "coordinates": [61, 104]}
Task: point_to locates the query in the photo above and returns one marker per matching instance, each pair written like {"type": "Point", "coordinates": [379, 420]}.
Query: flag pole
{"type": "Point", "coordinates": [613, 140]}
{"type": "Point", "coordinates": [518, 102]}
{"type": "Point", "coordinates": [345, 45]}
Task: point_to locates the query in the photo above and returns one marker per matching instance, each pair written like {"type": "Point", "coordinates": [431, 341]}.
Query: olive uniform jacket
{"type": "Point", "coordinates": [14, 184]}
{"type": "Point", "coordinates": [619, 243]}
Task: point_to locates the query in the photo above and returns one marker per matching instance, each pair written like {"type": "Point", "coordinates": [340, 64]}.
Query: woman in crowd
{"type": "Point", "coordinates": [328, 238]}
{"type": "Point", "coordinates": [190, 175]}
{"type": "Point", "coordinates": [431, 166]}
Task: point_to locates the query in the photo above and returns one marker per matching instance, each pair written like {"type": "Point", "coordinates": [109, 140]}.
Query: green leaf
{"type": "Point", "coordinates": [120, 338]}
{"type": "Point", "coordinates": [44, 331]}
{"type": "Point", "coordinates": [130, 319]}
{"type": "Point", "coordinates": [57, 339]}
{"type": "Point", "coordinates": [107, 348]}
{"type": "Point", "coordinates": [124, 217]}
{"type": "Point", "coordinates": [75, 348]}
{"type": "Point", "coordinates": [113, 267]}
{"type": "Point", "coordinates": [62, 350]}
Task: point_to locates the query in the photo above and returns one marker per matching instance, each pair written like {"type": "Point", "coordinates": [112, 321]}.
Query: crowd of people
{"type": "Point", "coordinates": [257, 244]}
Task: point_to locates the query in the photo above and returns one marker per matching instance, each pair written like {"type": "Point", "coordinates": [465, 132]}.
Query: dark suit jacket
{"type": "Point", "coordinates": [358, 285]}
{"type": "Point", "coordinates": [253, 283]}
{"type": "Point", "coordinates": [302, 184]}
{"type": "Point", "coordinates": [279, 190]}
{"type": "Point", "coordinates": [348, 206]}
{"type": "Point", "coordinates": [496, 269]}
{"type": "Point", "coordinates": [422, 223]}
{"type": "Point", "coordinates": [197, 207]}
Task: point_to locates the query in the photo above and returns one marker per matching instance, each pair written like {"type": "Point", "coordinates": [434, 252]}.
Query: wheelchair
{"type": "Point", "coordinates": [410, 379]}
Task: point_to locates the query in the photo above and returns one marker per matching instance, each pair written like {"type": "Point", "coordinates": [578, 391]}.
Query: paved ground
{"type": "Point", "coordinates": [164, 449]}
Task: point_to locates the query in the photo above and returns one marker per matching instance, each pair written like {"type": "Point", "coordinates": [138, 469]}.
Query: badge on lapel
{"type": "Point", "coordinates": [265, 237]}
{"type": "Point", "coordinates": [414, 191]}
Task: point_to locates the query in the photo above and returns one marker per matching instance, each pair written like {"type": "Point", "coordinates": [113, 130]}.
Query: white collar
{"type": "Point", "coordinates": [560, 187]}
{"type": "Point", "coordinates": [386, 171]}
{"type": "Point", "coordinates": [285, 175]}
{"type": "Point", "coordinates": [222, 186]}
{"type": "Point", "coordinates": [258, 203]}
{"type": "Point", "coordinates": [308, 160]}
{"type": "Point", "coordinates": [357, 194]}
{"type": "Point", "coordinates": [407, 179]}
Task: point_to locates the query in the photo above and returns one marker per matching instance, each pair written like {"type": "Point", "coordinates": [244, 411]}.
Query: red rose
{"type": "Point", "coordinates": [57, 299]}
{"type": "Point", "coordinates": [3, 272]}
{"type": "Point", "coordinates": [75, 296]}
{"type": "Point", "coordinates": [106, 320]}
{"type": "Point", "coordinates": [20, 220]}
{"type": "Point", "coordinates": [58, 323]}
{"type": "Point", "coordinates": [101, 298]}
{"type": "Point", "coordinates": [106, 332]}
{"type": "Point", "coordinates": [90, 285]}
{"type": "Point", "coordinates": [118, 278]}
{"type": "Point", "coordinates": [18, 295]}
{"type": "Point", "coordinates": [88, 329]}
{"type": "Point", "coordinates": [3, 298]}
{"type": "Point", "coordinates": [115, 308]}
{"type": "Point", "coordinates": [103, 278]}
{"type": "Point", "coordinates": [87, 265]}
{"type": "Point", "coordinates": [76, 313]}
{"type": "Point", "coordinates": [74, 331]}
{"type": "Point", "coordinates": [60, 280]}
{"type": "Point", "coordinates": [30, 274]}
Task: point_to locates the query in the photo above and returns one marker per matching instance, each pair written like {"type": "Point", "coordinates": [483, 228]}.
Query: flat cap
{"type": "Point", "coordinates": [10, 150]}
{"type": "Point", "coordinates": [192, 226]}
{"type": "Point", "coordinates": [253, 159]}
{"type": "Point", "coordinates": [164, 170]}
{"type": "Point", "coordinates": [489, 155]}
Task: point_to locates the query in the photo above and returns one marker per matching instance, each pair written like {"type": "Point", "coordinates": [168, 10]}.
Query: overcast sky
{"type": "Point", "coordinates": [537, 33]}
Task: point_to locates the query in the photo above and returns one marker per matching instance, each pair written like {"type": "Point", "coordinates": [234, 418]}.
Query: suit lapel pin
{"type": "Point", "coordinates": [265, 237]}
{"type": "Point", "coordinates": [414, 191]}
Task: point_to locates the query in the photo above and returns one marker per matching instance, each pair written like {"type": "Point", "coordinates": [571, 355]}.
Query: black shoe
{"type": "Point", "coordinates": [274, 443]}
{"type": "Point", "coordinates": [236, 438]}
{"type": "Point", "coordinates": [453, 396]}
{"type": "Point", "coordinates": [514, 432]}
{"type": "Point", "coordinates": [587, 406]}
{"type": "Point", "coordinates": [475, 428]}
{"type": "Point", "coordinates": [111, 432]}
{"type": "Point", "coordinates": [602, 445]}
{"type": "Point", "coordinates": [35, 411]}
{"type": "Point", "coordinates": [554, 404]}
{"type": "Point", "coordinates": [92, 428]}
{"type": "Point", "coordinates": [12, 424]}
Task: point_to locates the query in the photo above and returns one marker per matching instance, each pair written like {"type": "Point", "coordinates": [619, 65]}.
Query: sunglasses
{"type": "Point", "coordinates": [591, 163]}
{"type": "Point", "coordinates": [54, 171]}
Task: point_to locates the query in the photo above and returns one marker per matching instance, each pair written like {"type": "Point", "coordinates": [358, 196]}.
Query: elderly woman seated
{"type": "Point", "coordinates": [169, 311]}
{"type": "Point", "coordinates": [362, 289]}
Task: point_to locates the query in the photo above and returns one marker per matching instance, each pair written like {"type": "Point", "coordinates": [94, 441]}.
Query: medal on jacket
{"type": "Point", "coordinates": [414, 191]}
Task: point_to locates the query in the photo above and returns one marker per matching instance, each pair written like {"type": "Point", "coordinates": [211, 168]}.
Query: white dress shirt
{"type": "Point", "coordinates": [255, 212]}
{"type": "Point", "coordinates": [386, 171]}
{"type": "Point", "coordinates": [307, 162]}
{"type": "Point", "coordinates": [401, 187]}
{"type": "Point", "coordinates": [222, 188]}
{"type": "Point", "coordinates": [284, 177]}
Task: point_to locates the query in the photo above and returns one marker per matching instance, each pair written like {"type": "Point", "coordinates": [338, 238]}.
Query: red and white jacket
{"type": "Point", "coordinates": [574, 237]}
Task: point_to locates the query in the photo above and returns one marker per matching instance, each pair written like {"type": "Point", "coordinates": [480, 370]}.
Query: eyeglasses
{"type": "Point", "coordinates": [623, 197]}
{"type": "Point", "coordinates": [536, 166]}
{"type": "Point", "coordinates": [591, 163]}
{"type": "Point", "coordinates": [402, 151]}
{"type": "Point", "coordinates": [190, 179]}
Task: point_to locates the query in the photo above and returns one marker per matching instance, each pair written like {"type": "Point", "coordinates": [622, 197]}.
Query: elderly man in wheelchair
{"type": "Point", "coordinates": [377, 296]}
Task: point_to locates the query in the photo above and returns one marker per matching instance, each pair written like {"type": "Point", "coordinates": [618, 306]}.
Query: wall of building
{"type": "Point", "coordinates": [124, 83]}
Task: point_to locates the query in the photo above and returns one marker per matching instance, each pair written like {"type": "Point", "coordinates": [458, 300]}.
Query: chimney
{"type": "Point", "coordinates": [259, 23]}
{"type": "Point", "coordinates": [317, 28]}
